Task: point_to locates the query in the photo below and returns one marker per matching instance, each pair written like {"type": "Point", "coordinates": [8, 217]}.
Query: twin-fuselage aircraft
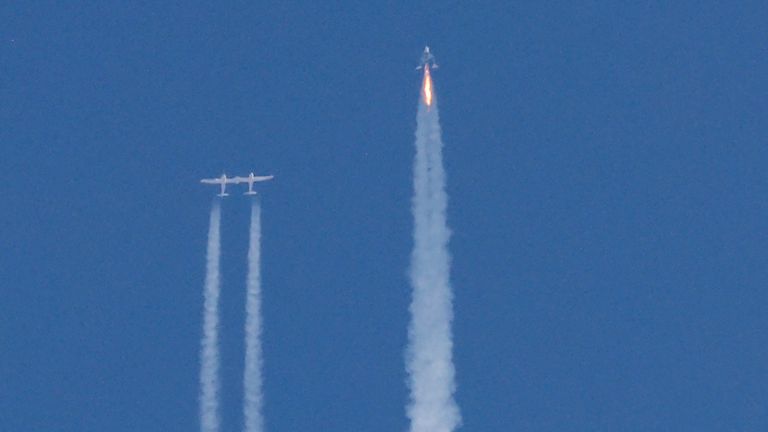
{"type": "Point", "coordinates": [224, 181]}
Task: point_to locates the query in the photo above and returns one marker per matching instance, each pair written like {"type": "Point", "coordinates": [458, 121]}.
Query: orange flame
{"type": "Point", "coordinates": [426, 88]}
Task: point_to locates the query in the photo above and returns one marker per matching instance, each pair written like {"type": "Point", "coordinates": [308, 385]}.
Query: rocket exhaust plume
{"type": "Point", "coordinates": [209, 346]}
{"type": "Point", "coordinates": [429, 362]}
{"type": "Point", "coordinates": [426, 87]}
{"type": "Point", "coordinates": [252, 379]}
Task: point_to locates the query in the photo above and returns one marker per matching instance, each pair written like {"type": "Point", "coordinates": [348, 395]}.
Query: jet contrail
{"type": "Point", "coordinates": [209, 346]}
{"type": "Point", "coordinates": [253, 398]}
{"type": "Point", "coordinates": [430, 367]}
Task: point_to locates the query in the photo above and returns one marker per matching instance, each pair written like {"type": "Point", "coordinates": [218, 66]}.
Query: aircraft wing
{"type": "Point", "coordinates": [212, 181]}
{"type": "Point", "coordinates": [236, 180]}
{"type": "Point", "coordinates": [263, 178]}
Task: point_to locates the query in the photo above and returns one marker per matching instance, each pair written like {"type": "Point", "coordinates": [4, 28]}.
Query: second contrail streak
{"type": "Point", "coordinates": [429, 355]}
{"type": "Point", "coordinates": [252, 379]}
{"type": "Point", "coordinates": [209, 347]}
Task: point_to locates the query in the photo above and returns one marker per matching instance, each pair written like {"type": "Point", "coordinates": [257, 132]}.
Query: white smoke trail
{"type": "Point", "coordinates": [209, 346]}
{"type": "Point", "coordinates": [429, 355]}
{"type": "Point", "coordinates": [253, 398]}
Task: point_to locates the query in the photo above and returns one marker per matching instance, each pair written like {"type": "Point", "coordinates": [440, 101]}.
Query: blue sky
{"type": "Point", "coordinates": [606, 190]}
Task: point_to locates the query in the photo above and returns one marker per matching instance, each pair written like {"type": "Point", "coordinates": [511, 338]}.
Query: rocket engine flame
{"type": "Point", "coordinates": [426, 88]}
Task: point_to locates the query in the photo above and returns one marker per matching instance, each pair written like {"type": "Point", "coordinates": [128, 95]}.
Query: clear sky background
{"type": "Point", "coordinates": [607, 196]}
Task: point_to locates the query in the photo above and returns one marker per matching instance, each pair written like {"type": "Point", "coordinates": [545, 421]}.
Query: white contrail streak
{"type": "Point", "coordinates": [429, 361]}
{"type": "Point", "coordinates": [209, 346]}
{"type": "Point", "coordinates": [253, 398]}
